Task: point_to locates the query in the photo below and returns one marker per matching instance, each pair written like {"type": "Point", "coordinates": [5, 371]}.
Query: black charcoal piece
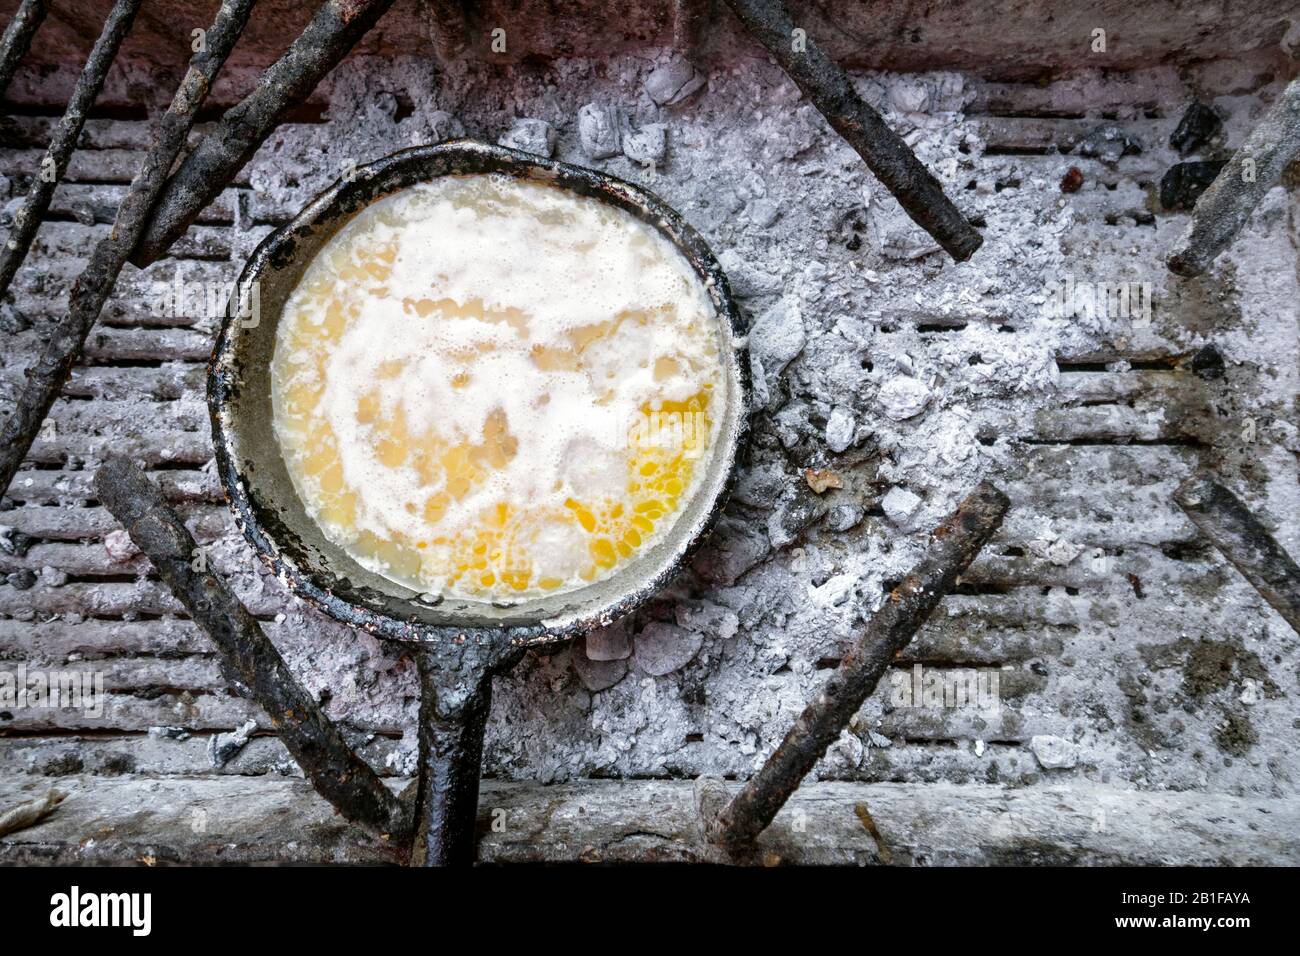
{"type": "Point", "coordinates": [1195, 129]}
{"type": "Point", "coordinates": [1183, 184]}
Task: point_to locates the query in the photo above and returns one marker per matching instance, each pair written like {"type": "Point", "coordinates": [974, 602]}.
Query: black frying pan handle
{"type": "Point", "coordinates": [455, 698]}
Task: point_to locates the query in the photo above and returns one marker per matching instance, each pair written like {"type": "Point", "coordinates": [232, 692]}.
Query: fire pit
{"type": "Point", "coordinates": [1104, 653]}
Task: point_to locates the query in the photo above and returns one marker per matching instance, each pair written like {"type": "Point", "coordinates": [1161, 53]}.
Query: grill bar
{"type": "Point", "coordinates": [888, 157]}
{"type": "Point", "coordinates": [17, 39]}
{"type": "Point", "coordinates": [97, 280]}
{"type": "Point", "coordinates": [1253, 170]}
{"type": "Point", "coordinates": [338, 774]}
{"type": "Point", "coordinates": [332, 32]}
{"type": "Point", "coordinates": [953, 545]}
{"type": "Point", "coordinates": [64, 141]}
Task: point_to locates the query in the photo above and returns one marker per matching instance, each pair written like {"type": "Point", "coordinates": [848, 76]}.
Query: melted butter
{"type": "Point", "coordinates": [491, 388]}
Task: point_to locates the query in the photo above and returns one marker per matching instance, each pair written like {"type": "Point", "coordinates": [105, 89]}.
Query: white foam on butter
{"type": "Point", "coordinates": [531, 254]}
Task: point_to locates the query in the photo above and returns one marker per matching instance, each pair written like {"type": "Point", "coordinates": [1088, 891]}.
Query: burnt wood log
{"type": "Point", "coordinates": [953, 545]}
{"type": "Point", "coordinates": [886, 155]}
{"type": "Point", "coordinates": [1243, 540]}
{"type": "Point", "coordinates": [1254, 169]}
{"type": "Point", "coordinates": [95, 284]}
{"type": "Point", "coordinates": [17, 39]}
{"type": "Point", "coordinates": [315, 742]}
{"type": "Point", "coordinates": [28, 218]}
{"type": "Point", "coordinates": [332, 32]}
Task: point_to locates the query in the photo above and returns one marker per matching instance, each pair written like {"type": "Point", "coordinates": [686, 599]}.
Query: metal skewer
{"type": "Point", "coordinates": [886, 155]}
{"type": "Point", "coordinates": [1254, 169]}
{"type": "Point", "coordinates": [37, 202]}
{"type": "Point", "coordinates": [332, 32]}
{"type": "Point", "coordinates": [95, 284]}
{"type": "Point", "coordinates": [337, 773]}
{"type": "Point", "coordinates": [17, 39]}
{"type": "Point", "coordinates": [953, 545]}
{"type": "Point", "coordinates": [1230, 526]}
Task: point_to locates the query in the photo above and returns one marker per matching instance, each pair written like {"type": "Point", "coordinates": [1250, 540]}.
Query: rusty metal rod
{"type": "Point", "coordinates": [95, 284]}
{"type": "Point", "coordinates": [689, 20]}
{"type": "Point", "coordinates": [17, 39]}
{"type": "Point", "coordinates": [332, 32]}
{"type": "Point", "coordinates": [64, 141]}
{"type": "Point", "coordinates": [1235, 531]}
{"type": "Point", "coordinates": [337, 773]}
{"type": "Point", "coordinates": [953, 545]}
{"type": "Point", "coordinates": [1254, 169]}
{"type": "Point", "coordinates": [888, 157]}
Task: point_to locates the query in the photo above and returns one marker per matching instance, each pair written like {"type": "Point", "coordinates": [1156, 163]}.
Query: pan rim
{"type": "Point", "coordinates": [332, 204]}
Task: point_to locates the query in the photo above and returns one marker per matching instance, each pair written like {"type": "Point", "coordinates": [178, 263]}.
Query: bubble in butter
{"type": "Point", "coordinates": [490, 388]}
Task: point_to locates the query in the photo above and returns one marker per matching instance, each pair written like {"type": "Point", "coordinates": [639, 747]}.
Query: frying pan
{"type": "Point", "coordinates": [458, 644]}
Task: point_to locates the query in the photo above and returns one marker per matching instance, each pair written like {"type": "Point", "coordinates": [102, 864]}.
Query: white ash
{"type": "Point", "coordinates": [599, 131]}
{"type": "Point", "coordinates": [119, 546]}
{"type": "Point", "coordinates": [897, 236]}
{"type": "Point", "coordinates": [531, 136]}
{"type": "Point", "coordinates": [1053, 753]}
{"type": "Point", "coordinates": [1059, 551]}
{"type": "Point", "coordinates": [222, 748]}
{"type": "Point", "coordinates": [647, 145]}
{"type": "Point", "coordinates": [900, 505]}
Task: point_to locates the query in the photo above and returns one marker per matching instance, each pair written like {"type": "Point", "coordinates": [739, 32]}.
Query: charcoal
{"type": "Point", "coordinates": [598, 131]}
{"type": "Point", "coordinates": [22, 580]}
{"type": "Point", "coordinates": [674, 81]}
{"type": "Point", "coordinates": [531, 136]}
{"type": "Point", "coordinates": [1197, 127]}
{"type": "Point", "coordinates": [845, 517]}
{"type": "Point", "coordinates": [1208, 363]}
{"type": "Point", "coordinates": [792, 516]}
{"type": "Point", "coordinates": [900, 505]}
{"type": "Point", "coordinates": [1183, 184]}
{"type": "Point", "coordinates": [597, 675]}
{"type": "Point", "coordinates": [840, 428]}
{"type": "Point", "coordinates": [647, 145]}
{"type": "Point", "coordinates": [1107, 143]}
{"type": "Point", "coordinates": [664, 648]}
{"type": "Point", "coordinates": [12, 320]}
{"type": "Point", "coordinates": [608, 644]}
